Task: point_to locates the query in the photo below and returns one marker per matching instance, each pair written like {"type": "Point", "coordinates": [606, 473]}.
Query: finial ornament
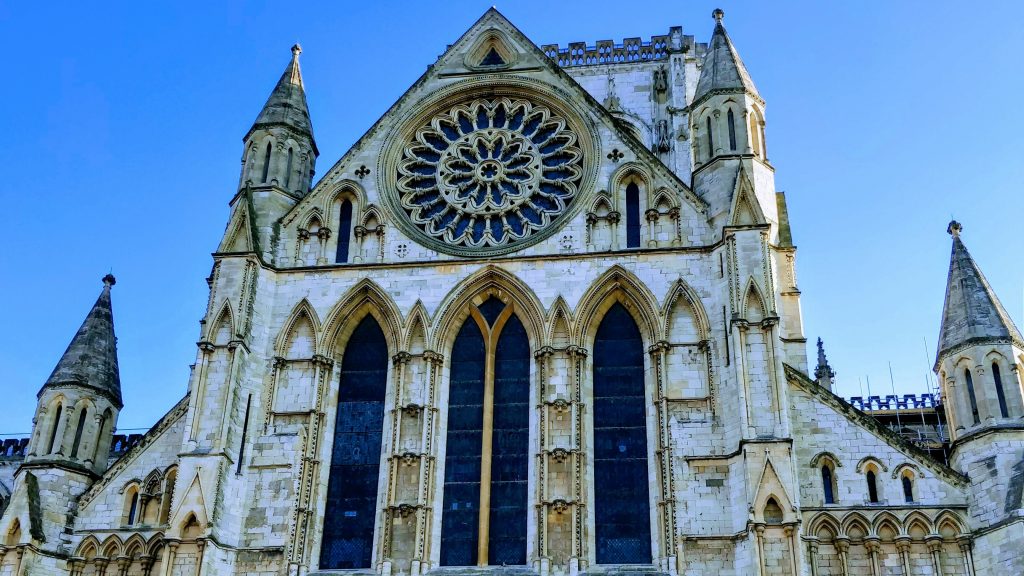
{"type": "Point", "coordinates": [296, 50]}
{"type": "Point", "coordinates": [109, 280]}
{"type": "Point", "coordinates": [718, 14]}
{"type": "Point", "coordinates": [954, 229]}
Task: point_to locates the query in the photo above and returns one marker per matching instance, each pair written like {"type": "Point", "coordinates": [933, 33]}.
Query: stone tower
{"type": "Point", "coordinates": [978, 363]}
{"type": "Point", "coordinates": [72, 429]}
{"type": "Point", "coordinates": [278, 159]}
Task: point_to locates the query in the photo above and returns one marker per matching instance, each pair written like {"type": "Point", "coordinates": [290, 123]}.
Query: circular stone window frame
{"type": "Point", "coordinates": [489, 86]}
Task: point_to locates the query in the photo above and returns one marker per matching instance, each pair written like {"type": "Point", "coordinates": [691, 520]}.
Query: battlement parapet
{"type": "Point", "coordinates": [629, 51]}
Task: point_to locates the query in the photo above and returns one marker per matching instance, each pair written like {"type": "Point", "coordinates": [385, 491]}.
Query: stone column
{"type": "Point", "coordinates": [652, 216]}
{"type": "Point", "coordinates": [613, 224]}
{"type": "Point", "coordinates": [843, 547]}
{"type": "Point", "coordinates": [201, 546]}
{"type": "Point", "coordinates": [360, 233]}
{"type": "Point", "coordinates": [101, 566]}
{"type": "Point", "coordinates": [205, 351]}
{"type": "Point", "coordinates": [123, 563]}
{"type": "Point", "coordinates": [903, 546]}
{"type": "Point", "coordinates": [578, 554]}
{"type": "Point", "coordinates": [677, 226]}
{"type": "Point", "coordinates": [77, 564]}
{"type": "Point", "coordinates": [323, 234]}
{"type": "Point", "coordinates": [812, 556]}
{"type": "Point", "coordinates": [659, 353]}
{"type": "Point", "coordinates": [421, 559]}
{"type": "Point", "coordinates": [759, 531]}
{"type": "Point", "coordinates": [169, 553]}
{"type": "Point", "coordinates": [935, 548]}
{"type": "Point", "coordinates": [790, 532]}
{"type": "Point", "coordinates": [147, 564]}
{"type": "Point", "coordinates": [965, 549]}
{"type": "Point", "coordinates": [873, 546]}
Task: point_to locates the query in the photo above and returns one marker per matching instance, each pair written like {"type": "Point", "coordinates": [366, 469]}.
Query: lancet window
{"type": "Point", "coordinates": [969, 380]}
{"type": "Point", "coordinates": [486, 460]}
{"type": "Point", "coordinates": [632, 215]}
{"type": "Point", "coordinates": [344, 231]}
{"type": "Point", "coordinates": [997, 377]}
{"type": "Point", "coordinates": [621, 498]}
{"type": "Point", "coordinates": [355, 459]}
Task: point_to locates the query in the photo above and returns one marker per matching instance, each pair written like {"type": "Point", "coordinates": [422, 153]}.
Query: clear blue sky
{"type": "Point", "coordinates": [124, 127]}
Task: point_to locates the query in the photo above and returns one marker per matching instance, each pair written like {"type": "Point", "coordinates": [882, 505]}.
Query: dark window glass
{"type": "Point", "coordinates": [632, 216]}
{"type": "Point", "coordinates": [266, 163]}
{"type": "Point", "coordinates": [355, 458]}
{"type": "Point", "coordinates": [971, 396]}
{"type": "Point", "coordinates": [245, 433]}
{"type": "Point", "coordinates": [492, 59]}
{"type": "Point", "coordinates": [53, 431]}
{"type": "Point", "coordinates": [732, 130]}
{"type": "Point", "coordinates": [711, 139]}
{"type": "Point", "coordinates": [344, 230]}
{"type": "Point", "coordinates": [491, 309]}
{"type": "Point", "coordinates": [288, 171]}
{"type": "Point", "coordinates": [872, 487]}
{"type": "Point", "coordinates": [621, 503]}
{"type": "Point", "coordinates": [510, 446]}
{"type": "Point", "coordinates": [908, 489]}
{"type": "Point", "coordinates": [78, 433]}
{"type": "Point", "coordinates": [1000, 394]}
{"type": "Point", "coordinates": [773, 512]}
{"type": "Point", "coordinates": [826, 484]}
{"type": "Point", "coordinates": [459, 519]}
{"type": "Point", "coordinates": [133, 508]}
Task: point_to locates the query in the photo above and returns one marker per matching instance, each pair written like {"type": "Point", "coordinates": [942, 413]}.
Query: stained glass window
{"type": "Point", "coordinates": [355, 458]}
{"type": "Point", "coordinates": [621, 500]}
{"type": "Point", "coordinates": [490, 373]}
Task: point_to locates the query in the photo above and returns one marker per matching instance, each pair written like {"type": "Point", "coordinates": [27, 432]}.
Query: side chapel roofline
{"type": "Point", "coordinates": [972, 313]}
{"type": "Point", "coordinates": [91, 358]}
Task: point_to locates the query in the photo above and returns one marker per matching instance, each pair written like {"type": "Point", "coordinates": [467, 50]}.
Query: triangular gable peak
{"type": "Point", "coordinates": [746, 210]}
{"type": "Point", "coordinates": [472, 64]}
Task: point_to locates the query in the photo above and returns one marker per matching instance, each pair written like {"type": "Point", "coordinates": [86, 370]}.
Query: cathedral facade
{"type": "Point", "coordinates": [542, 318]}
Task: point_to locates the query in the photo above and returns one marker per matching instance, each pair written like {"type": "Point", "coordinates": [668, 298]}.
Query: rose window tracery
{"type": "Point", "coordinates": [489, 173]}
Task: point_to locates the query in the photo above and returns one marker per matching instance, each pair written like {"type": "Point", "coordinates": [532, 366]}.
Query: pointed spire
{"type": "Point", "coordinates": [972, 313]}
{"type": "Point", "coordinates": [723, 72]}
{"type": "Point", "coordinates": [287, 103]}
{"type": "Point", "coordinates": [91, 358]}
{"type": "Point", "coordinates": [823, 373]}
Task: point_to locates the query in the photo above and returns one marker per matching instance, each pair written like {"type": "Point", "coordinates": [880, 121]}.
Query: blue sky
{"type": "Point", "coordinates": [124, 129]}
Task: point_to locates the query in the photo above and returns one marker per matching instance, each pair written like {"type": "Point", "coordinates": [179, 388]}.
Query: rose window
{"type": "Point", "coordinates": [489, 173]}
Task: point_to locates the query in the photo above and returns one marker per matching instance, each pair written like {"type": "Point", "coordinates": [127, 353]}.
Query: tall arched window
{"type": "Point", "coordinates": [355, 459]}
{"type": "Point", "coordinates": [344, 231]}
{"type": "Point", "coordinates": [1000, 393]}
{"type": "Point", "coordinates": [732, 130]}
{"type": "Point", "coordinates": [266, 163]}
{"type": "Point", "coordinates": [826, 484]}
{"type": "Point", "coordinates": [78, 432]}
{"type": "Point", "coordinates": [970, 395]}
{"type": "Point", "coordinates": [484, 513]}
{"type": "Point", "coordinates": [622, 528]}
{"type": "Point", "coordinates": [288, 170]}
{"type": "Point", "coordinates": [133, 507]}
{"type": "Point", "coordinates": [872, 487]}
{"type": "Point", "coordinates": [53, 429]}
{"type": "Point", "coordinates": [711, 138]}
{"type": "Point", "coordinates": [632, 215]}
{"type": "Point", "coordinates": [908, 488]}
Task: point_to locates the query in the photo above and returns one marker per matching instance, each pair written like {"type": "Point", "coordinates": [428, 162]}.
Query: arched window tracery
{"type": "Point", "coordinates": [621, 486]}
{"type": "Point", "coordinates": [351, 510]}
{"type": "Point", "coordinates": [486, 459]}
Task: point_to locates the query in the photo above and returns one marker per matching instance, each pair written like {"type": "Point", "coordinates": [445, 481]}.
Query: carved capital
{"type": "Point", "coordinates": [401, 358]}
{"type": "Point", "coordinates": [322, 361]}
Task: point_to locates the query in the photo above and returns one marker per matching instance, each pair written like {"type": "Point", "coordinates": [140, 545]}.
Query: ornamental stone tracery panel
{"type": "Point", "coordinates": [487, 173]}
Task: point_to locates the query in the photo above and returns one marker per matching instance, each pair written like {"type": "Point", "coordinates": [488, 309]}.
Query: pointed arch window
{"type": "Point", "coordinates": [355, 459]}
{"type": "Point", "coordinates": [133, 507]}
{"type": "Point", "coordinates": [266, 163]}
{"type": "Point", "coordinates": [622, 528]}
{"type": "Point", "coordinates": [486, 459]}
{"type": "Point", "coordinates": [288, 170]}
{"type": "Point", "coordinates": [78, 432]}
{"type": "Point", "coordinates": [827, 484]}
{"type": "Point", "coordinates": [732, 129]}
{"type": "Point", "coordinates": [632, 215]}
{"type": "Point", "coordinates": [344, 231]}
{"type": "Point", "coordinates": [908, 488]}
{"type": "Point", "coordinates": [872, 486]}
{"type": "Point", "coordinates": [53, 430]}
{"type": "Point", "coordinates": [1000, 393]}
{"type": "Point", "coordinates": [969, 380]}
{"type": "Point", "coordinates": [711, 138]}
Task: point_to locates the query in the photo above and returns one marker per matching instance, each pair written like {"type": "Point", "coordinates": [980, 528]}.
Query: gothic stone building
{"type": "Point", "coordinates": [543, 318]}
